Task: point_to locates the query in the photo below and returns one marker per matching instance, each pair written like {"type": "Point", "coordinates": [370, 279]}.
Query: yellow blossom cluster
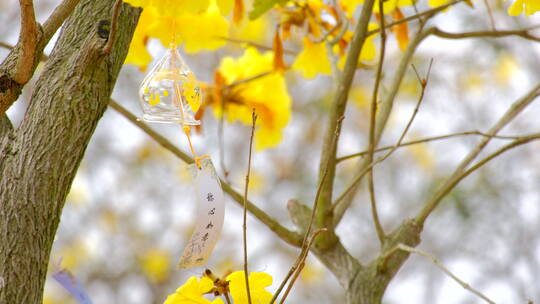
{"type": "Point", "coordinates": [325, 37]}
{"type": "Point", "coordinates": [250, 83]}
{"type": "Point", "coordinates": [193, 291]}
{"type": "Point", "coordinates": [199, 25]}
{"type": "Point", "coordinates": [519, 6]}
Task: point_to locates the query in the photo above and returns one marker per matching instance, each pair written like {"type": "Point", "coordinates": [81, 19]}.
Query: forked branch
{"type": "Point", "coordinates": [456, 176]}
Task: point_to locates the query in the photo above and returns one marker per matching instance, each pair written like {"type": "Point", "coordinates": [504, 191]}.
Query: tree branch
{"type": "Point", "coordinates": [455, 177]}
{"type": "Point", "coordinates": [365, 170]}
{"type": "Point", "coordinates": [57, 18]}
{"type": "Point", "coordinates": [345, 199]}
{"type": "Point", "coordinates": [524, 33]}
{"type": "Point", "coordinates": [428, 13]}
{"type": "Point", "coordinates": [444, 269]}
{"type": "Point", "coordinates": [288, 236]}
{"type": "Point", "coordinates": [329, 148]}
{"type": "Point", "coordinates": [305, 247]}
{"type": "Point", "coordinates": [372, 123]}
{"type": "Point", "coordinates": [28, 40]}
{"type": "Point", "coordinates": [19, 66]}
{"type": "Point", "coordinates": [244, 215]}
{"type": "Point", "coordinates": [425, 140]}
{"type": "Point", "coordinates": [114, 24]}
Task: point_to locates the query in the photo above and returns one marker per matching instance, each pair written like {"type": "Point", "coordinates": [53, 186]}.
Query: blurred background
{"type": "Point", "coordinates": [132, 208]}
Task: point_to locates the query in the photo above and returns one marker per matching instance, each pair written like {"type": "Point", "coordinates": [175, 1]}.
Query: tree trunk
{"type": "Point", "coordinates": [39, 159]}
{"type": "Point", "coordinates": [369, 284]}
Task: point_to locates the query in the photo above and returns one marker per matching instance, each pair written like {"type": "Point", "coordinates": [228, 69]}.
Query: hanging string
{"type": "Point", "coordinates": [178, 99]}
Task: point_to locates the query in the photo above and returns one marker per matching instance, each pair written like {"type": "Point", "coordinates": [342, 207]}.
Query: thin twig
{"type": "Point", "coordinates": [454, 178]}
{"type": "Point", "coordinates": [339, 23]}
{"type": "Point", "coordinates": [301, 265]}
{"type": "Point", "coordinates": [248, 79]}
{"type": "Point", "coordinates": [444, 269]}
{"type": "Point", "coordinates": [285, 234]}
{"type": "Point", "coordinates": [28, 43]}
{"type": "Point", "coordinates": [114, 24]}
{"type": "Point", "coordinates": [8, 46]}
{"type": "Point", "coordinates": [31, 43]}
{"type": "Point", "coordinates": [221, 139]}
{"type": "Point", "coordinates": [227, 299]}
{"type": "Point", "coordinates": [372, 122]}
{"type": "Point", "coordinates": [425, 140]}
{"type": "Point", "coordinates": [311, 221]}
{"type": "Point", "coordinates": [490, 14]}
{"type": "Point", "coordinates": [256, 45]}
{"type": "Point", "coordinates": [518, 142]}
{"type": "Point", "coordinates": [524, 33]}
{"type": "Point", "coordinates": [427, 13]}
{"type": "Point", "coordinates": [329, 148]}
{"type": "Point", "coordinates": [424, 83]}
{"type": "Point", "coordinates": [57, 17]}
{"type": "Point", "coordinates": [244, 226]}
{"type": "Point", "coordinates": [383, 114]}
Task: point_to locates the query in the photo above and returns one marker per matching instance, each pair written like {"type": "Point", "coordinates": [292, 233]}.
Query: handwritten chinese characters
{"type": "Point", "coordinates": [210, 216]}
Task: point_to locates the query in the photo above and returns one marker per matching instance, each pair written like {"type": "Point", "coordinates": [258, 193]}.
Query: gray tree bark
{"type": "Point", "coordinates": [363, 284]}
{"type": "Point", "coordinates": [39, 159]}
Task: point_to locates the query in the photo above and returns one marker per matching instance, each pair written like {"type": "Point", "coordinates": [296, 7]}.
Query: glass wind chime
{"type": "Point", "coordinates": [170, 94]}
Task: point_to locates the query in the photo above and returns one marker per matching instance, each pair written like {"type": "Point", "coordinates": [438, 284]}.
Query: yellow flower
{"type": "Point", "coordinates": [203, 32]}
{"type": "Point", "coordinates": [368, 52]}
{"type": "Point", "coordinates": [313, 60]}
{"type": "Point", "coordinates": [435, 3]}
{"type": "Point", "coordinates": [192, 292]}
{"type": "Point", "coordinates": [172, 7]}
{"type": "Point", "coordinates": [251, 30]}
{"type": "Point", "coordinates": [179, 7]}
{"type": "Point", "coordinates": [197, 24]}
{"type": "Point", "coordinates": [198, 31]}
{"type": "Point", "coordinates": [530, 6]}
{"type": "Point", "coordinates": [225, 6]}
{"type": "Point", "coordinates": [156, 264]}
{"type": "Point", "coordinates": [257, 282]}
{"type": "Point", "coordinates": [267, 95]}
{"type": "Point", "coordinates": [138, 54]}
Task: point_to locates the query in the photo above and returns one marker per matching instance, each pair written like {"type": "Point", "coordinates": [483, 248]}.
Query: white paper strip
{"type": "Point", "coordinates": [210, 215]}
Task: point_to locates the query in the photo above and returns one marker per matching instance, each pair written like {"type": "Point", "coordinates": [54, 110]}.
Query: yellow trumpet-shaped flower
{"type": "Point", "coordinates": [198, 24]}
{"type": "Point", "coordinates": [138, 54]}
{"type": "Point", "coordinates": [267, 94]}
{"type": "Point", "coordinates": [313, 60]}
{"type": "Point", "coordinates": [435, 3]}
{"type": "Point", "coordinates": [192, 292]}
{"type": "Point", "coordinates": [257, 282]}
{"type": "Point", "coordinates": [172, 7]}
{"type": "Point", "coordinates": [203, 31]}
{"type": "Point", "coordinates": [529, 6]}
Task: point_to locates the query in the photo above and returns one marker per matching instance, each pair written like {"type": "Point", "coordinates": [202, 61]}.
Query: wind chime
{"type": "Point", "coordinates": [170, 94]}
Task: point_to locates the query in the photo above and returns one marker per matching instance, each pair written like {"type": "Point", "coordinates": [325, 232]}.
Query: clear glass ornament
{"type": "Point", "coordinates": [170, 92]}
